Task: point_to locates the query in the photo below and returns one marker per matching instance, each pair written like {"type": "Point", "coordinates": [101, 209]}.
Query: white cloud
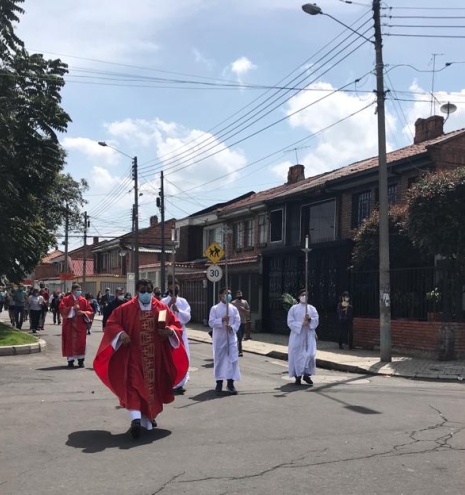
{"type": "Point", "coordinates": [200, 58]}
{"type": "Point", "coordinates": [96, 153]}
{"type": "Point", "coordinates": [422, 108]}
{"type": "Point", "coordinates": [239, 68]}
{"type": "Point", "coordinates": [347, 142]}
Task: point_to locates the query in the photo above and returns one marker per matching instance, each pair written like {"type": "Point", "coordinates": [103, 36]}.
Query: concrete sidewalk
{"type": "Point", "coordinates": [353, 361]}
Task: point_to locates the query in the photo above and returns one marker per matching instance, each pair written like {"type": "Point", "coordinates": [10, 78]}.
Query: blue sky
{"type": "Point", "coordinates": [231, 42]}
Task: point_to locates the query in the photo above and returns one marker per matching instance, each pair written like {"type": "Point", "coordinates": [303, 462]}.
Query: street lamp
{"type": "Point", "coordinates": [384, 275]}
{"type": "Point", "coordinates": [135, 213]}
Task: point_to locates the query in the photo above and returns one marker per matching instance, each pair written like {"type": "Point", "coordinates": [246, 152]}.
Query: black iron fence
{"type": "Point", "coordinates": [429, 293]}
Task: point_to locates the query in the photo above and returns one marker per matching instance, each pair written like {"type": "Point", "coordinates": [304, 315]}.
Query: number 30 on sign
{"type": "Point", "coordinates": [214, 273]}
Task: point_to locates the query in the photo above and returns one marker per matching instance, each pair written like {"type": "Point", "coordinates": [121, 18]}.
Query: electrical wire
{"type": "Point", "coordinates": [159, 160]}
{"type": "Point", "coordinates": [404, 35]}
{"type": "Point", "coordinates": [176, 165]}
{"type": "Point", "coordinates": [282, 149]}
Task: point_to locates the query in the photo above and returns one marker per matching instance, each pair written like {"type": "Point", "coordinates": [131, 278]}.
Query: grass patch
{"type": "Point", "coordinates": [11, 336]}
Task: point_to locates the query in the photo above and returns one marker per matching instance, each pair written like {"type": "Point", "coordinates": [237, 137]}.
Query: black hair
{"type": "Point", "coordinates": [144, 281]}
{"type": "Point", "coordinates": [223, 290]}
{"type": "Point", "coordinates": [301, 291]}
{"type": "Point", "coordinates": [75, 286]}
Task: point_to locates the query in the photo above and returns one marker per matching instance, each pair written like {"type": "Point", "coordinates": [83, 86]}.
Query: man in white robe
{"type": "Point", "coordinates": [302, 319]}
{"type": "Point", "coordinates": [225, 351]}
{"type": "Point", "coordinates": [180, 307]}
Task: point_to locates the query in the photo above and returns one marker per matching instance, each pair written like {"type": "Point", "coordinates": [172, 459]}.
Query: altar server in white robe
{"type": "Point", "coordinates": [180, 307]}
{"type": "Point", "coordinates": [225, 350]}
{"type": "Point", "coordinates": [302, 319]}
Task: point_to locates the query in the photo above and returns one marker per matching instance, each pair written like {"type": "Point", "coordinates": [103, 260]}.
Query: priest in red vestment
{"type": "Point", "coordinates": [141, 356]}
{"type": "Point", "coordinates": [75, 311]}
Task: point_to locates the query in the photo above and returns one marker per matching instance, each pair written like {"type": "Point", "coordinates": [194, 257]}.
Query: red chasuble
{"type": "Point", "coordinates": [74, 330]}
{"type": "Point", "coordinates": [142, 375]}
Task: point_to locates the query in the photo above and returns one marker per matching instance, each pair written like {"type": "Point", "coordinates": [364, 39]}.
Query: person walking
{"type": "Point", "coordinates": [181, 309]}
{"type": "Point", "coordinates": [302, 319]}
{"type": "Point", "coordinates": [141, 357]}
{"type": "Point", "coordinates": [106, 298]}
{"type": "Point", "coordinates": [244, 311]}
{"type": "Point", "coordinates": [117, 301]}
{"type": "Point", "coordinates": [224, 320]}
{"type": "Point", "coordinates": [99, 300]}
{"type": "Point", "coordinates": [94, 305]}
{"type": "Point", "coordinates": [55, 300]}
{"type": "Point", "coordinates": [157, 293]}
{"type": "Point", "coordinates": [19, 298]}
{"type": "Point", "coordinates": [345, 313]}
{"type": "Point", "coordinates": [74, 310]}
{"type": "Point", "coordinates": [36, 302]}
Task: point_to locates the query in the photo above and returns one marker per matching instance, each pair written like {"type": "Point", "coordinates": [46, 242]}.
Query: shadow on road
{"type": "Point", "coordinates": [57, 368]}
{"type": "Point", "coordinates": [93, 441]}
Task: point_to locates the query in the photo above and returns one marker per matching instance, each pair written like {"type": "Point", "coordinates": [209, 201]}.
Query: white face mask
{"type": "Point", "coordinates": [121, 298]}
{"type": "Point", "coordinates": [303, 299]}
{"type": "Point", "coordinates": [346, 299]}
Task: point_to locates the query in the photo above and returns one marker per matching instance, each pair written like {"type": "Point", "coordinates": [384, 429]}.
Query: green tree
{"type": "Point", "coordinates": [402, 252]}
{"type": "Point", "coordinates": [436, 213]}
{"type": "Point", "coordinates": [34, 189]}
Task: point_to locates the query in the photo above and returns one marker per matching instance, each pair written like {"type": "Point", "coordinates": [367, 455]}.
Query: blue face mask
{"type": "Point", "coordinates": [229, 298]}
{"type": "Point", "coordinates": [145, 297]}
{"type": "Point", "coordinates": [78, 293]}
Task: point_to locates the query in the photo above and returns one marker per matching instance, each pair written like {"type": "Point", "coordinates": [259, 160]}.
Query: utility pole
{"type": "Point", "coordinates": [384, 274]}
{"type": "Point", "coordinates": [84, 258]}
{"type": "Point", "coordinates": [173, 240]}
{"type": "Point", "coordinates": [135, 268]}
{"type": "Point", "coordinates": [65, 266]}
{"type": "Point", "coordinates": [161, 206]}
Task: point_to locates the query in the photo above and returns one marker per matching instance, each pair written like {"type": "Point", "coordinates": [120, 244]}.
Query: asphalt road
{"type": "Point", "coordinates": [62, 432]}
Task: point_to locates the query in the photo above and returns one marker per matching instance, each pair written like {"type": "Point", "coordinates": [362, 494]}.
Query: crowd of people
{"type": "Point", "coordinates": [143, 357]}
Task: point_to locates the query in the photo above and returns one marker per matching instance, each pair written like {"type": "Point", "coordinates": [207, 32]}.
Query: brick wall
{"type": "Point", "coordinates": [412, 337]}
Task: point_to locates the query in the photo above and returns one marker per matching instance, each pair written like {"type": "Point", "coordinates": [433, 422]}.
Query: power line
{"type": "Point", "coordinates": [282, 149]}
{"type": "Point", "coordinates": [423, 17]}
{"type": "Point", "coordinates": [159, 160]}
{"type": "Point", "coordinates": [176, 165]}
{"type": "Point", "coordinates": [423, 35]}
{"type": "Point", "coordinates": [422, 26]}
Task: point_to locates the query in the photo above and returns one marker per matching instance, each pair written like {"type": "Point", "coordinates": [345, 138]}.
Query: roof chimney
{"type": "Point", "coordinates": [95, 240]}
{"type": "Point", "coordinates": [429, 128]}
{"type": "Point", "coordinates": [153, 220]}
{"type": "Point", "coordinates": [296, 173]}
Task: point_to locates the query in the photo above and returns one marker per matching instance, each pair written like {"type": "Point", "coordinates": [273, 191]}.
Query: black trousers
{"type": "Point", "coordinates": [346, 334]}
{"type": "Point", "coordinates": [35, 317]}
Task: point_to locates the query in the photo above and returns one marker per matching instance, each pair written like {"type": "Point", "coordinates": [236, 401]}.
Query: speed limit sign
{"type": "Point", "coordinates": [214, 273]}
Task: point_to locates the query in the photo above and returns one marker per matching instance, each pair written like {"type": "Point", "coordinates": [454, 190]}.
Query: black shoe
{"type": "Point", "coordinates": [81, 363]}
{"type": "Point", "coordinates": [154, 423]}
{"type": "Point", "coordinates": [135, 428]}
{"type": "Point", "coordinates": [71, 364]}
{"type": "Point", "coordinates": [231, 388]}
{"type": "Point", "coordinates": [240, 354]}
{"type": "Point", "coordinates": [89, 332]}
{"type": "Point", "coordinates": [34, 331]}
{"type": "Point", "coordinates": [308, 380]}
{"type": "Point", "coordinates": [298, 380]}
{"type": "Point", "coordinates": [179, 391]}
{"type": "Point", "coordinates": [219, 387]}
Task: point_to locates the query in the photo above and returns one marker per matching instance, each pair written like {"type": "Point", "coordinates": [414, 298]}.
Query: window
{"type": "Point", "coordinates": [249, 234]}
{"type": "Point", "coordinates": [361, 208]}
{"type": "Point", "coordinates": [392, 194]}
{"type": "Point", "coordinates": [276, 226]}
{"type": "Point", "coordinates": [114, 258]}
{"type": "Point", "coordinates": [262, 231]}
{"type": "Point", "coordinates": [238, 235]}
{"type": "Point", "coordinates": [212, 235]}
{"type": "Point", "coordinates": [318, 222]}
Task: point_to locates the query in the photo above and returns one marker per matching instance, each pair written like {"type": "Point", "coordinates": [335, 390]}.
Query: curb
{"type": "Point", "coordinates": [18, 350]}
{"type": "Point", "coordinates": [346, 368]}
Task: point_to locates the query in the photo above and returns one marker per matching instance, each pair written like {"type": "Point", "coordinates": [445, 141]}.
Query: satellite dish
{"type": "Point", "coordinates": [448, 108]}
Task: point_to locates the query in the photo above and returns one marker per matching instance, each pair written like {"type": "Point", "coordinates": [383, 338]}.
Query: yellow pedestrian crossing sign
{"type": "Point", "coordinates": [214, 252]}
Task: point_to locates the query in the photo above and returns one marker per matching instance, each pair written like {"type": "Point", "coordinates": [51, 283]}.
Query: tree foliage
{"type": "Point", "coordinates": [402, 252]}
{"type": "Point", "coordinates": [35, 190]}
{"type": "Point", "coordinates": [436, 213]}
